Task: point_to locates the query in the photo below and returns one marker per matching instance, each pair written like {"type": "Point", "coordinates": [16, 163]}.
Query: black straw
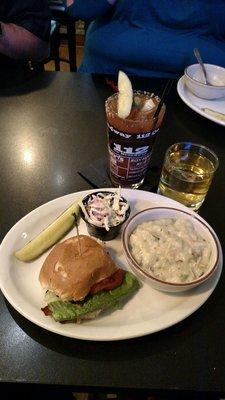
{"type": "Point", "coordinates": [166, 91]}
{"type": "Point", "coordinates": [88, 180]}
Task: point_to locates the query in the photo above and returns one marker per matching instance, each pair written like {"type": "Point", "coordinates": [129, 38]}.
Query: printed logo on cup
{"type": "Point", "coordinates": [130, 153]}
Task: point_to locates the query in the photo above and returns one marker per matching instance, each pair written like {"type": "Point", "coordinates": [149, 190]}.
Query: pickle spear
{"type": "Point", "coordinates": [49, 235]}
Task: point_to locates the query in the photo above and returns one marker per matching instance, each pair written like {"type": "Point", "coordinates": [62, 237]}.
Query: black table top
{"type": "Point", "coordinates": [60, 118]}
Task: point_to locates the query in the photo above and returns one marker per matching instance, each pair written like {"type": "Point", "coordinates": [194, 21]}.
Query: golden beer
{"type": "Point", "coordinates": [187, 174]}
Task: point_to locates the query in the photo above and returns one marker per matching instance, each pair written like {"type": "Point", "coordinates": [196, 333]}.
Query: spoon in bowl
{"type": "Point", "coordinates": [199, 58]}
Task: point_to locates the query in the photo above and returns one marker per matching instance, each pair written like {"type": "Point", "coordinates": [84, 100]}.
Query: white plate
{"type": "Point", "coordinates": [147, 312]}
{"type": "Point", "coordinates": [197, 104]}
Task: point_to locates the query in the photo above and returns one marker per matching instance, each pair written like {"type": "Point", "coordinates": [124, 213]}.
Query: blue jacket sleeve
{"type": "Point", "coordinates": [88, 9]}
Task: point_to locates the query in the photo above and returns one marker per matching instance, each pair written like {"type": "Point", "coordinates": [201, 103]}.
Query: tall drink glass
{"type": "Point", "coordinates": [131, 139]}
{"type": "Point", "coordinates": [187, 173]}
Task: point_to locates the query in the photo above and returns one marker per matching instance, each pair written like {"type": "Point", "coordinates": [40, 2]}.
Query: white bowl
{"type": "Point", "coordinates": [194, 80]}
{"type": "Point", "coordinates": [165, 212]}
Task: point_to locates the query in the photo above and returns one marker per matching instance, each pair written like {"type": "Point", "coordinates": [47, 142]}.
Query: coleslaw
{"type": "Point", "coordinates": [105, 209]}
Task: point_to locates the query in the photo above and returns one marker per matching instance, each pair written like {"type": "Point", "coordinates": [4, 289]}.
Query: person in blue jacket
{"type": "Point", "coordinates": [152, 38]}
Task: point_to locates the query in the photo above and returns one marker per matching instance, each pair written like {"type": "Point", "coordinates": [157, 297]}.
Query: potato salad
{"type": "Point", "coordinates": [170, 249]}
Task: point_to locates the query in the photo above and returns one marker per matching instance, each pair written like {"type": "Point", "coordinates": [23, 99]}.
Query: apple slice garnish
{"type": "Point", "coordinates": [125, 95]}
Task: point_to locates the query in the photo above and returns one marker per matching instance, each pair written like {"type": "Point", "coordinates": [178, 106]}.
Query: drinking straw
{"type": "Point", "coordinates": [166, 91]}
{"type": "Point", "coordinates": [88, 180]}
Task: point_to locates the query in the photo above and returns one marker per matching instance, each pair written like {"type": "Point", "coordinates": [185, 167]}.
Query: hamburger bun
{"type": "Point", "coordinates": [69, 274]}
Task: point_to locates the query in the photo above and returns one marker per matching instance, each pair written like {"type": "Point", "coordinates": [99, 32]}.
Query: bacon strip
{"type": "Point", "coordinates": [46, 311]}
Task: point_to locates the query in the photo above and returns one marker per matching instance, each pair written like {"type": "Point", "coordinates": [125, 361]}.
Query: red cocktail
{"type": "Point", "coordinates": [131, 139]}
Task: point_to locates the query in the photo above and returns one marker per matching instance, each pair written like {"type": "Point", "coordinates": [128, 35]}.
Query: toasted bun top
{"type": "Point", "coordinates": [71, 275]}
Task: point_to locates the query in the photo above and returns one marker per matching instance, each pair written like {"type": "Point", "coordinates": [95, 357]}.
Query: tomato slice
{"type": "Point", "coordinates": [109, 283]}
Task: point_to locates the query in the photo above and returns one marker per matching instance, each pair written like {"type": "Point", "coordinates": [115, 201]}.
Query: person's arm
{"type": "Point", "coordinates": [88, 9]}
{"type": "Point", "coordinates": [19, 43]}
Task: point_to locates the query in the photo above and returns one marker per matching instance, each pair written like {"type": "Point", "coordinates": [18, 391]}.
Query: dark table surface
{"type": "Point", "coordinates": [59, 118]}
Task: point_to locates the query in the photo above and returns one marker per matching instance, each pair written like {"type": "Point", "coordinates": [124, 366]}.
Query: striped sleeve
{"type": "Point", "coordinates": [89, 9]}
